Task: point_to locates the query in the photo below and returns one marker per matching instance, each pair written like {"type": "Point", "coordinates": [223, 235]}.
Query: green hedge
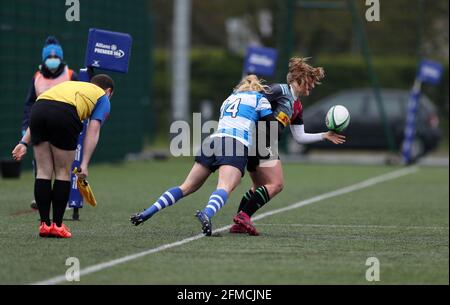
{"type": "Point", "coordinates": [215, 72]}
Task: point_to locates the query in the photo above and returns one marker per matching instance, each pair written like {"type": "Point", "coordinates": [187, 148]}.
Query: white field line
{"type": "Point", "coordinates": [353, 226]}
{"type": "Point", "coordinates": [352, 188]}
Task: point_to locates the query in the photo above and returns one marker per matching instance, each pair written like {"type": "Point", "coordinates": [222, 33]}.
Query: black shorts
{"type": "Point", "coordinates": [55, 122]}
{"type": "Point", "coordinates": [256, 156]}
{"type": "Point", "coordinates": [255, 161]}
{"type": "Point", "coordinates": [223, 151]}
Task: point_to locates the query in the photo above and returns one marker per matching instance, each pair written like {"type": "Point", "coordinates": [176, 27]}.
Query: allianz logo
{"type": "Point", "coordinates": [106, 49]}
{"type": "Point", "coordinates": [431, 72]}
{"type": "Point", "coordinates": [261, 60]}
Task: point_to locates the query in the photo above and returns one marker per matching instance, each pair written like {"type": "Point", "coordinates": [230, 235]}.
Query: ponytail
{"type": "Point", "coordinates": [252, 83]}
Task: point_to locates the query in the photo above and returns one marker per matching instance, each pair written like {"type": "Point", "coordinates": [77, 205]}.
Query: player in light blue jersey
{"type": "Point", "coordinates": [239, 113]}
{"type": "Point", "coordinates": [227, 151]}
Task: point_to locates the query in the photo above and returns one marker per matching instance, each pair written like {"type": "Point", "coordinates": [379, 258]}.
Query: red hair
{"type": "Point", "coordinates": [301, 72]}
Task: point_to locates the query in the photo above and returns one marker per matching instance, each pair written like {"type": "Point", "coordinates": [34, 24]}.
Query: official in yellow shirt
{"type": "Point", "coordinates": [55, 124]}
{"type": "Point", "coordinates": [83, 96]}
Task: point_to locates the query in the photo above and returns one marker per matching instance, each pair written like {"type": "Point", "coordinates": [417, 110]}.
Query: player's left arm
{"type": "Point", "coordinates": [98, 118]}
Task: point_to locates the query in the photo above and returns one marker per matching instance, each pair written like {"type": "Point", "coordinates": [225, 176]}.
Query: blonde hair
{"type": "Point", "coordinates": [251, 83]}
{"type": "Point", "coordinates": [301, 72]}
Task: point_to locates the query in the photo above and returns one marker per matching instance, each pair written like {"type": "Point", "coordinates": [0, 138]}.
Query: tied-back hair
{"type": "Point", "coordinates": [301, 72]}
{"type": "Point", "coordinates": [252, 83]}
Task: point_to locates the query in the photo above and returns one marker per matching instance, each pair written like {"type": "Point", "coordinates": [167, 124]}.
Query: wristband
{"type": "Point", "coordinates": [24, 143]}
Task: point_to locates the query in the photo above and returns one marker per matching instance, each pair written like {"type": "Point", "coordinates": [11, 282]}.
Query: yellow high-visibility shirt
{"type": "Point", "coordinates": [83, 96]}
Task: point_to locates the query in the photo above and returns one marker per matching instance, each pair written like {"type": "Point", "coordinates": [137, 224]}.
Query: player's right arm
{"type": "Point", "coordinates": [21, 149]}
{"type": "Point", "coordinates": [301, 137]}
{"type": "Point", "coordinates": [29, 102]}
{"type": "Point", "coordinates": [266, 114]}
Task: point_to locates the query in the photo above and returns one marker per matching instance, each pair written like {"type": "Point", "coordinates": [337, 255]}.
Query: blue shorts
{"type": "Point", "coordinates": [216, 152]}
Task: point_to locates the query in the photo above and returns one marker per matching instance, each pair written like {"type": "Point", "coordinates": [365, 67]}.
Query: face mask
{"type": "Point", "coordinates": [53, 63]}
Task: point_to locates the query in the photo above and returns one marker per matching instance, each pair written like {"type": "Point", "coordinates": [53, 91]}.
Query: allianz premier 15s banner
{"type": "Point", "coordinates": [108, 50]}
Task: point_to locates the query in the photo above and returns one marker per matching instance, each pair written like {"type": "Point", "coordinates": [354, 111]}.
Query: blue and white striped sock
{"type": "Point", "coordinates": [167, 199]}
{"type": "Point", "coordinates": [216, 202]}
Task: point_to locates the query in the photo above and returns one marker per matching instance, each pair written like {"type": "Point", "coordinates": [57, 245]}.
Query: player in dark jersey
{"type": "Point", "coordinates": [267, 172]}
{"type": "Point", "coordinates": [227, 153]}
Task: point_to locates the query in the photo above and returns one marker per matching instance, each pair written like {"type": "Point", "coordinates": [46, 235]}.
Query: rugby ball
{"type": "Point", "coordinates": [338, 118]}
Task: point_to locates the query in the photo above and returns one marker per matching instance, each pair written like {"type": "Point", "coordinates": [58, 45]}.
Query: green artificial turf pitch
{"type": "Point", "coordinates": [402, 222]}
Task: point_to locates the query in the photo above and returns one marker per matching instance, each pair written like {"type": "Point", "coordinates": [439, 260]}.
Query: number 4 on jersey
{"type": "Point", "coordinates": [232, 108]}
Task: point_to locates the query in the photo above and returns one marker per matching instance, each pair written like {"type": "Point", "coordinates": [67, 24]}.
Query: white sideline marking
{"type": "Point", "coordinates": [345, 190]}
{"type": "Point", "coordinates": [352, 226]}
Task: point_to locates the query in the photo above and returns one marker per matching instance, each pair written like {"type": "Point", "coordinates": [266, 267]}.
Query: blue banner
{"type": "Point", "coordinates": [430, 72]}
{"type": "Point", "coordinates": [261, 61]}
{"type": "Point", "coordinates": [75, 198]}
{"type": "Point", "coordinates": [410, 128]}
{"type": "Point", "coordinates": [108, 50]}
